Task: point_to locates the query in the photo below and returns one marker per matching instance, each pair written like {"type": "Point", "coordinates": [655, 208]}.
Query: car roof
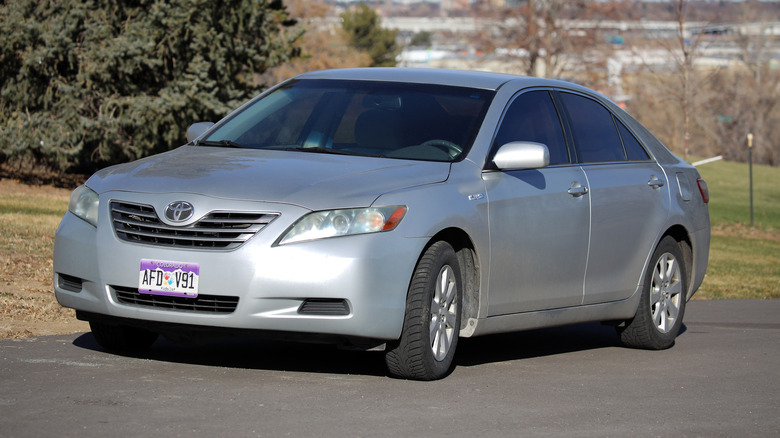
{"type": "Point", "coordinates": [462, 78]}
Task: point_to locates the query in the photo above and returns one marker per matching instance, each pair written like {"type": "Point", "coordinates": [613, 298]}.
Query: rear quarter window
{"type": "Point", "coordinates": [634, 150]}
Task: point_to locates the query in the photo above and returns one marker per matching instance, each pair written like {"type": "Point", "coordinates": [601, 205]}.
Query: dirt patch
{"type": "Point", "coordinates": [40, 176]}
{"type": "Point", "coordinates": [745, 231]}
{"type": "Point", "coordinates": [28, 308]}
{"type": "Point", "coordinates": [13, 186]}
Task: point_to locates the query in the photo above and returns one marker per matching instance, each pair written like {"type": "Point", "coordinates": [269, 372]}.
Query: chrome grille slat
{"type": "Point", "coordinates": [158, 230]}
{"type": "Point", "coordinates": [199, 229]}
{"type": "Point", "coordinates": [218, 230]}
{"type": "Point", "coordinates": [226, 221]}
{"type": "Point", "coordinates": [138, 212]}
{"type": "Point", "coordinates": [183, 236]}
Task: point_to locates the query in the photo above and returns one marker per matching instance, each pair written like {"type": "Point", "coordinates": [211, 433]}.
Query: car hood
{"type": "Point", "coordinates": [311, 180]}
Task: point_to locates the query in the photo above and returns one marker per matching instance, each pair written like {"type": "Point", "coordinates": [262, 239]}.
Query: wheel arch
{"type": "Point", "coordinates": [469, 262]}
{"type": "Point", "coordinates": [680, 234]}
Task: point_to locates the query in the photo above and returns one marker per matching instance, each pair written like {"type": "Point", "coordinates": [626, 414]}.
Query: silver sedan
{"type": "Point", "coordinates": [393, 209]}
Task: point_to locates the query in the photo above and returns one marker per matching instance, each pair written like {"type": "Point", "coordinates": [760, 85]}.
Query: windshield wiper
{"type": "Point", "coordinates": [221, 143]}
{"type": "Point", "coordinates": [322, 150]}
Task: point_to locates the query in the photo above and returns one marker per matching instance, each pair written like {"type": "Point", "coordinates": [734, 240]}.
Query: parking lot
{"type": "Point", "coordinates": [720, 379]}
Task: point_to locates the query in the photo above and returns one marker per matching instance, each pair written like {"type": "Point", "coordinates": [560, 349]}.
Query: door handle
{"type": "Point", "coordinates": [577, 190]}
{"type": "Point", "coordinates": [655, 182]}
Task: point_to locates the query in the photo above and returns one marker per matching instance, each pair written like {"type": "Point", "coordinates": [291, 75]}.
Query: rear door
{"type": "Point", "coordinates": [629, 199]}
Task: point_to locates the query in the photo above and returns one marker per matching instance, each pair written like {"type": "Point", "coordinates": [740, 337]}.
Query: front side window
{"type": "Point", "coordinates": [395, 120]}
{"type": "Point", "coordinates": [532, 117]}
{"type": "Point", "coordinates": [595, 134]}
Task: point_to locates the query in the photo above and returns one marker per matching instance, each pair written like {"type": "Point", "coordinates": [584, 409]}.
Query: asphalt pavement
{"type": "Point", "coordinates": [721, 379]}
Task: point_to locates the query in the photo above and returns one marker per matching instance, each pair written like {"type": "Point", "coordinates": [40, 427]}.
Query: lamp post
{"type": "Point", "coordinates": [750, 166]}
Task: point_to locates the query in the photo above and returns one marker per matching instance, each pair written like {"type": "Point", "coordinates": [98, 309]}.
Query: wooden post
{"type": "Point", "coordinates": [750, 166]}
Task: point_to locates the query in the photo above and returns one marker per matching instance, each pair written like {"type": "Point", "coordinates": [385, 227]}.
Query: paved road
{"type": "Point", "coordinates": [722, 378]}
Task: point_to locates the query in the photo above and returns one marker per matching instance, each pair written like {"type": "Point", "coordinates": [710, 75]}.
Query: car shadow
{"type": "Point", "coordinates": [535, 343]}
{"type": "Point", "coordinates": [538, 343]}
{"type": "Point", "coordinates": [273, 355]}
{"type": "Point", "coordinates": [256, 354]}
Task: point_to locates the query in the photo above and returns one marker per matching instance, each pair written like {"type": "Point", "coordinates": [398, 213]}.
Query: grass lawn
{"type": "Point", "coordinates": [730, 194]}
{"type": "Point", "coordinates": [744, 260]}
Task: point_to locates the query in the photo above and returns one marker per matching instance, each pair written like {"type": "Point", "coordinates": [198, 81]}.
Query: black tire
{"type": "Point", "coordinates": [122, 338]}
{"type": "Point", "coordinates": [429, 338]}
{"type": "Point", "coordinates": [661, 308]}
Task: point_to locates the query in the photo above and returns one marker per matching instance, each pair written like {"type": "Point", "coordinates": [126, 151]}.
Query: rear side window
{"type": "Point", "coordinates": [532, 117]}
{"type": "Point", "coordinates": [595, 134]}
{"type": "Point", "coordinates": [634, 150]}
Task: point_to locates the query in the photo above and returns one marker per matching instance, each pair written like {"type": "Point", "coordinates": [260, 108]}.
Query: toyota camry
{"type": "Point", "coordinates": [395, 210]}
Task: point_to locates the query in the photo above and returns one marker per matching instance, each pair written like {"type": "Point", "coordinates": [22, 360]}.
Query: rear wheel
{"type": "Point", "coordinates": [122, 338]}
{"type": "Point", "coordinates": [427, 345]}
{"type": "Point", "coordinates": [660, 313]}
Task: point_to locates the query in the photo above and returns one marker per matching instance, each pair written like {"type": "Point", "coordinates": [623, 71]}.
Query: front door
{"type": "Point", "coordinates": [539, 218]}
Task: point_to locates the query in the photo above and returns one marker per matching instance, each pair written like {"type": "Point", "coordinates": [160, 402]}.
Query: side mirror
{"type": "Point", "coordinates": [522, 155]}
{"type": "Point", "coordinates": [197, 129]}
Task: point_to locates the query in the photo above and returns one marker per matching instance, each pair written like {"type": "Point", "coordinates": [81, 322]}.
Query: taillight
{"type": "Point", "coordinates": [705, 192]}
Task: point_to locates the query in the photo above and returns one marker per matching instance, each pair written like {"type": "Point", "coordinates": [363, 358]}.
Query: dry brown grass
{"type": "Point", "coordinates": [28, 219]}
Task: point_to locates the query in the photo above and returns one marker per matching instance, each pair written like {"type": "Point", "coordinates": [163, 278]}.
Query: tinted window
{"type": "Point", "coordinates": [634, 150]}
{"type": "Point", "coordinates": [532, 117]}
{"type": "Point", "coordinates": [595, 133]}
{"type": "Point", "coordinates": [396, 120]}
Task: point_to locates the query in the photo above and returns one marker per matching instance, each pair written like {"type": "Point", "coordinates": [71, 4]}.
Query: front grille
{"type": "Point", "coordinates": [224, 230]}
{"type": "Point", "coordinates": [201, 304]}
{"type": "Point", "coordinates": [324, 306]}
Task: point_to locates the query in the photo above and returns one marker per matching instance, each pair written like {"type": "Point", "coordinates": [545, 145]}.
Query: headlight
{"type": "Point", "coordinates": [332, 223]}
{"type": "Point", "coordinates": [84, 204]}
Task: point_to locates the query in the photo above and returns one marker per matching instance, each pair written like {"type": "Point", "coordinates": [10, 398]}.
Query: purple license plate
{"type": "Point", "coordinates": [162, 277]}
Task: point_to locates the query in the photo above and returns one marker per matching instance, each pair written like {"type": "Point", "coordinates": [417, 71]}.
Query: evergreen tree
{"type": "Point", "coordinates": [86, 83]}
{"type": "Point", "coordinates": [364, 31]}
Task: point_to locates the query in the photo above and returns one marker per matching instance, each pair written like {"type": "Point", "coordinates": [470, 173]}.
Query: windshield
{"type": "Point", "coordinates": [387, 119]}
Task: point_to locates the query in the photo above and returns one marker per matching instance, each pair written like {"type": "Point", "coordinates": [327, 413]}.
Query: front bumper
{"type": "Point", "coordinates": [368, 273]}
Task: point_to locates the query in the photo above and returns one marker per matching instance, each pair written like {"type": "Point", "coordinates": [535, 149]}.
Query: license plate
{"type": "Point", "coordinates": [162, 277]}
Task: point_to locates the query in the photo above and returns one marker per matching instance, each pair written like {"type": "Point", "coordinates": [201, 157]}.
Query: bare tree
{"type": "Point", "coordinates": [707, 110]}
{"type": "Point", "coordinates": [685, 65]}
{"type": "Point", "coordinates": [322, 46]}
{"type": "Point", "coordinates": [680, 81]}
{"type": "Point", "coordinates": [684, 49]}
{"type": "Point", "coordinates": [536, 32]}
{"type": "Point", "coordinates": [749, 92]}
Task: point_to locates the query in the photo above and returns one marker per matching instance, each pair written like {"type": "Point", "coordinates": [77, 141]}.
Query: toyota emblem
{"type": "Point", "coordinates": [179, 211]}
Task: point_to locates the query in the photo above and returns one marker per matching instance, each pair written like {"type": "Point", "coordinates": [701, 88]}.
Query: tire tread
{"type": "Point", "coordinates": [408, 357]}
{"type": "Point", "coordinates": [640, 332]}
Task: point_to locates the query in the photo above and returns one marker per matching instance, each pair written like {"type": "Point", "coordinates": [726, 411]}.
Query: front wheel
{"type": "Point", "coordinates": [427, 345]}
{"type": "Point", "coordinates": [659, 316]}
